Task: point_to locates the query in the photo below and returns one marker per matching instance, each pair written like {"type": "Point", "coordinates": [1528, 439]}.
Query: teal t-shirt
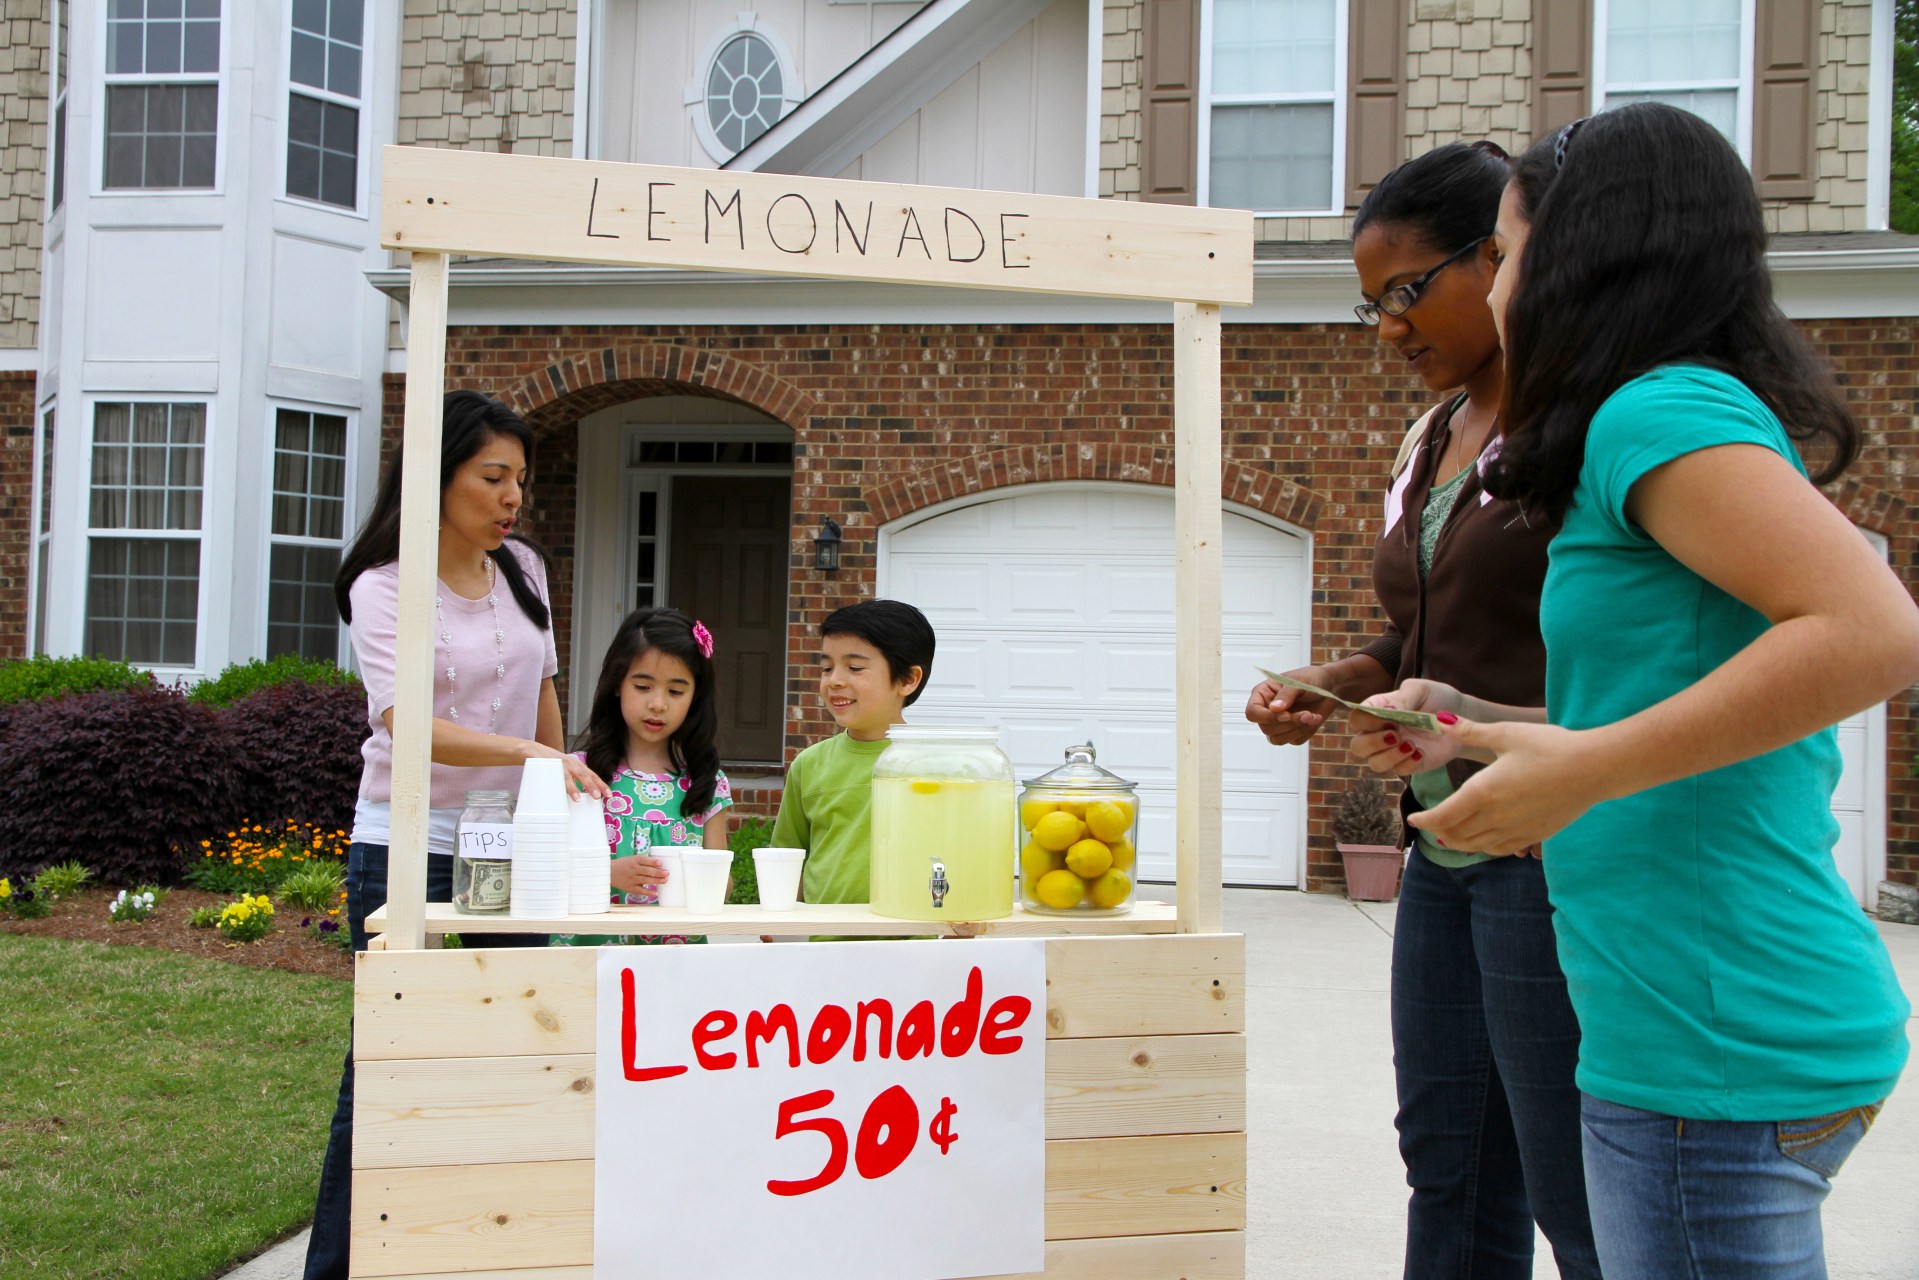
{"type": "Point", "coordinates": [1718, 964]}
{"type": "Point", "coordinates": [826, 808]}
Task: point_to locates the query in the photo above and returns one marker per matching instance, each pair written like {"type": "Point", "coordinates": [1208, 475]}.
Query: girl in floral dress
{"type": "Point", "coordinates": [651, 736]}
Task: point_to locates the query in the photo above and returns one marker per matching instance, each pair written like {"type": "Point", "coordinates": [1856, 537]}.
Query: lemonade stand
{"type": "Point", "coordinates": [479, 1071]}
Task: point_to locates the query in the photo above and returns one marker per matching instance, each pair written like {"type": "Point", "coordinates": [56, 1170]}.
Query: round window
{"type": "Point", "coordinates": [744, 90]}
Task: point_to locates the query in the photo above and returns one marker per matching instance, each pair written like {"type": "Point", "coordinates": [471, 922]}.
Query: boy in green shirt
{"type": "Point", "coordinates": [874, 660]}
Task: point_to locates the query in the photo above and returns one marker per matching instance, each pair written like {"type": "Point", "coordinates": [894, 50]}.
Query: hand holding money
{"type": "Point", "coordinates": [1424, 721]}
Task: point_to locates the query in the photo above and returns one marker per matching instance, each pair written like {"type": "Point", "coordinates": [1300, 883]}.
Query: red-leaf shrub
{"type": "Point", "coordinates": [122, 781]}
{"type": "Point", "coordinates": [297, 752]}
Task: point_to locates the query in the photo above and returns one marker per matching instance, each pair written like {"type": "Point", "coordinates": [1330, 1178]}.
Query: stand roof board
{"type": "Point", "coordinates": [473, 1153]}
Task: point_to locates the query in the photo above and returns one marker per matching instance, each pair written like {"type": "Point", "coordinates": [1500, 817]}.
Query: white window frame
{"type": "Point", "coordinates": [1742, 104]}
{"type": "Point", "coordinates": [40, 563]}
{"type": "Point", "coordinates": [91, 406]}
{"type": "Point", "coordinates": [1342, 53]}
{"type": "Point", "coordinates": [264, 623]}
{"type": "Point", "coordinates": [97, 179]}
{"type": "Point", "coordinates": [364, 135]}
{"type": "Point", "coordinates": [792, 91]}
{"type": "Point", "coordinates": [57, 117]}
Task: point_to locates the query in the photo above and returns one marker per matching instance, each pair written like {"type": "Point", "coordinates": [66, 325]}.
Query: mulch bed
{"type": "Point", "coordinates": [83, 917]}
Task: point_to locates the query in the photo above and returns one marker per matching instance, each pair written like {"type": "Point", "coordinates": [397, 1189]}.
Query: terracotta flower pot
{"type": "Point", "coordinates": [1372, 871]}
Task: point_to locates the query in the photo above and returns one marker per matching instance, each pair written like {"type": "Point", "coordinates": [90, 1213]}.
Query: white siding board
{"type": "Point", "coordinates": [137, 276]}
{"type": "Point", "coordinates": [316, 311]}
{"type": "Point", "coordinates": [1006, 115]}
{"type": "Point", "coordinates": [950, 136]}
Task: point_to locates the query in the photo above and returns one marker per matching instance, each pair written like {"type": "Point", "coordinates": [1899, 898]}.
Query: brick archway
{"type": "Point", "coordinates": [1869, 506]}
{"type": "Point", "coordinates": [1263, 491]}
{"type": "Point", "coordinates": [570, 389]}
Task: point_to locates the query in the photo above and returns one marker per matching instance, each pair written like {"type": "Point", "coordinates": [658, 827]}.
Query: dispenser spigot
{"type": "Point", "coordinates": [939, 885]}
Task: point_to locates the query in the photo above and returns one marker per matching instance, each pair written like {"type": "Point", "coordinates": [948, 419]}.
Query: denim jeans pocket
{"type": "Point", "coordinates": [1822, 1143]}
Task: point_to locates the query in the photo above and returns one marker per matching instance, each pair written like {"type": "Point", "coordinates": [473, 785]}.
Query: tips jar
{"type": "Point", "coordinates": [1077, 825]}
{"type": "Point", "coordinates": [942, 825]}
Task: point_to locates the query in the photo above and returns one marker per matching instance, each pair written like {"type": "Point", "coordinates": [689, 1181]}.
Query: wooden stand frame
{"type": "Point", "coordinates": [473, 1114]}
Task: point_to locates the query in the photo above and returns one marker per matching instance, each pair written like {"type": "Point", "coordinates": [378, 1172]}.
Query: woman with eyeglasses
{"type": "Point", "coordinates": [1484, 1039]}
{"type": "Point", "coordinates": [1708, 617]}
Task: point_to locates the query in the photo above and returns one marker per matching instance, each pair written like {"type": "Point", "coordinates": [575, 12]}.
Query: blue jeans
{"type": "Point", "coordinates": [1706, 1199]}
{"type": "Point", "coordinates": [366, 866]}
{"type": "Point", "coordinates": [1484, 1049]}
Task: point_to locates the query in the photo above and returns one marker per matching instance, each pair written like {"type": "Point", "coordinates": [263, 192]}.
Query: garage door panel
{"type": "Point", "coordinates": [1054, 609]}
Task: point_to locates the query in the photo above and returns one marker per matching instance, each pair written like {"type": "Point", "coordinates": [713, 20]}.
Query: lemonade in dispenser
{"type": "Point", "coordinates": [1077, 825]}
{"type": "Point", "coordinates": [942, 825]}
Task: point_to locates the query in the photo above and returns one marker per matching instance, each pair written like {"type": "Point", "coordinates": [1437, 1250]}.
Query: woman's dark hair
{"type": "Point", "coordinates": [1449, 196]}
{"type": "Point", "coordinates": [1645, 248]}
{"type": "Point", "coordinates": [468, 421]}
{"type": "Point", "coordinates": [899, 631]}
{"type": "Point", "coordinates": [693, 748]}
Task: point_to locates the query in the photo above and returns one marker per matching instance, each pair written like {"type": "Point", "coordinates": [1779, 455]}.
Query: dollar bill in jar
{"type": "Point", "coordinates": [483, 854]}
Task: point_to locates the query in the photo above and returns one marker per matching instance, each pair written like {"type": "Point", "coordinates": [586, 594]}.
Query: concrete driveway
{"type": "Point", "coordinates": [1327, 1194]}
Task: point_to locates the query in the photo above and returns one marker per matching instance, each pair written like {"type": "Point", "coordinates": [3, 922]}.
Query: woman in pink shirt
{"type": "Point", "coordinates": [494, 705]}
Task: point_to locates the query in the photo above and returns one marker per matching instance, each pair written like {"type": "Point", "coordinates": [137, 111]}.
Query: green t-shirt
{"type": "Point", "coordinates": [826, 809]}
{"type": "Point", "coordinates": [1718, 964]}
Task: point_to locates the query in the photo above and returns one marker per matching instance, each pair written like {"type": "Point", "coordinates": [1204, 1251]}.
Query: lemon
{"type": "Point", "coordinates": [1057, 830]}
{"type": "Point", "coordinates": [1035, 860]}
{"type": "Point", "coordinates": [1123, 855]}
{"type": "Point", "coordinates": [922, 787]}
{"type": "Point", "coordinates": [1089, 858]}
{"type": "Point", "coordinates": [1110, 889]}
{"type": "Point", "coordinates": [1107, 820]}
{"type": "Point", "coordinates": [1075, 807]}
{"type": "Point", "coordinates": [1060, 890]}
{"type": "Point", "coordinates": [1031, 811]}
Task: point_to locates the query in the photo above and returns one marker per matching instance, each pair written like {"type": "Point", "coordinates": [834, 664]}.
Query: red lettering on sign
{"type": "Point", "coordinates": [881, 1011]}
{"type": "Point", "coordinates": [764, 1026]}
{"type": "Point", "coordinates": [1007, 1014]}
{"type": "Point", "coordinates": [832, 1026]}
{"type": "Point", "coordinates": [835, 1135]}
{"type": "Point", "coordinates": [717, 1025]}
{"type": "Point", "coordinates": [898, 1116]}
{"type": "Point", "coordinates": [630, 1035]}
{"type": "Point", "coordinates": [962, 1020]}
{"type": "Point", "coordinates": [916, 1032]}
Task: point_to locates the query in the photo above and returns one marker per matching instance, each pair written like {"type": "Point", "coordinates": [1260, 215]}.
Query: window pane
{"type": "Point", "coordinates": [301, 615]}
{"type": "Point", "coordinates": [309, 474]}
{"type": "Point", "coordinates": [347, 15]}
{"type": "Point", "coordinates": [343, 70]}
{"type": "Point", "coordinates": [202, 52]}
{"type": "Point", "coordinates": [1657, 42]}
{"type": "Point", "coordinates": [60, 153]}
{"type": "Point", "coordinates": [161, 136]}
{"type": "Point", "coordinates": [148, 466]}
{"type": "Point", "coordinates": [1719, 108]}
{"type": "Point", "coordinates": [309, 60]}
{"type": "Point", "coordinates": [143, 600]}
{"type": "Point", "coordinates": [1272, 157]}
{"type": "Point", "coordinates": [165, 9]}
{"type": "Point", "coordinates": [1273, 46]}
{"type": "Point", "coordinates": [46, 472]}
{"type": "Point", "coordinates": [310, 15]}
{"type": "Point", "coordinates": [40, 601]}
{"type": "Point", "coordinates": [163, 48]}
{"type": "Point", "coordinates": [126, 48]}
{"type": "Point", "coordinates": [339, 180]}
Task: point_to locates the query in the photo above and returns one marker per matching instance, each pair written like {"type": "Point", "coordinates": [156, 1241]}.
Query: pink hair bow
{"type": "Point", "coordinates": [703, 638]}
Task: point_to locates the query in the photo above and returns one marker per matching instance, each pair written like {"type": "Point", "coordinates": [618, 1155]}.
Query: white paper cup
{"type": "Point", "coordinates": [778, 871]}
{"type": "Point", "coordinates": [542, 788]}
{"type": "Point", "coordinates": [673, 891]}
{"type": "Point", "coordinates": [705, 872]}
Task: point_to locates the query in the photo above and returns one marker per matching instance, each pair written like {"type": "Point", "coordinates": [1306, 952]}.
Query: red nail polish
{"type": "Point", "coordinates": [1405, 746]}
{"type": "Point", "coordinates": [1391, 739]}
{"type": "Point", "coordinates": [1439, 842]}
{"type": "Point", "coordinates": [1445, 717]}
{"type": "Point", "coordinates": [1419, 755]}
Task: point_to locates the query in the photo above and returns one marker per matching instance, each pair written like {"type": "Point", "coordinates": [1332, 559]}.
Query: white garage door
{"type": "Point", "coordinates": [1054, 610]}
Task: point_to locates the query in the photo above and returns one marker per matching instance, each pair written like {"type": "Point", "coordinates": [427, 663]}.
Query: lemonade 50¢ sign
{"type": "Point", "coordinates": [850, 1110]}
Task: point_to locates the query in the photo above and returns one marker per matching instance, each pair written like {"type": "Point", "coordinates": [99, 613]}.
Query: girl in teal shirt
{"type": "Point", "coordinates": [1708, 617]}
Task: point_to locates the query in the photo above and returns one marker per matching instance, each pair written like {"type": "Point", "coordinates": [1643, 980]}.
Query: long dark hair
{"type": "Point", "coordinates": [1449, 196]}
{"type": "Point", "coordinates": [468, 421]}
{"type": "Point", "coordinates": [1645, 248]}
{"type": "Point", "coordinates": [693, 747]}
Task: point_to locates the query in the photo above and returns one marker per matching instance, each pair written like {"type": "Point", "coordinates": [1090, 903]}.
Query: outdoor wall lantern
{"type": "Point", "coordinates": [826, 544]}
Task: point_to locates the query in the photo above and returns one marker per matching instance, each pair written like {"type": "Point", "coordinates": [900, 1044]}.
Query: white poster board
{"type": "Point", "coordinates": [839, 1111]}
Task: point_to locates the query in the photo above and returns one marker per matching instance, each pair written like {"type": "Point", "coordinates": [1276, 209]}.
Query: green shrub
{"type": "Point", "coordinates": [747, 835]}
{"type": "Point", "coordinates": [40, 677]}
{"type": "Point", "coordinates": [203, 917]}
{"type": "Point", "coordinates": [314, 886]}
{"type": "Point", "coordinates": [257, 858]}
{"type": "Point", "coordinates": [245, 678]}
{"type": "Point", "coordinates": [62, 880]}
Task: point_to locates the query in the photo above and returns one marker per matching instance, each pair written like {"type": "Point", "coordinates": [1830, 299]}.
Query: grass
{"type": "Point", "coordinates": [161, 1116]}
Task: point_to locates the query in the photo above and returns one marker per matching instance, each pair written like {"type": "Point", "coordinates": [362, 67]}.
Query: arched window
{"type": "Point", "coordinates": [747, 83]}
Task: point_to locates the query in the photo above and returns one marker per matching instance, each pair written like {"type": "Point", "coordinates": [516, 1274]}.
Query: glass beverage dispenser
{"type": "Point", "coordinates": [942, 825]}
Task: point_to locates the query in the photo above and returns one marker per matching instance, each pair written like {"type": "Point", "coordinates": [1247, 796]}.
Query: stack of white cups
{"type": "Point", "coordinates": [541, 843]}
{"type": "Point", "coordinates": [590, 880]}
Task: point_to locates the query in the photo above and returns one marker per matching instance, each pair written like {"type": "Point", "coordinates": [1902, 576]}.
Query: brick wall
{"type": "Point", "coordinates": [888, 420]}
{"type": "Point", "coordinates": [16, 509]}
{"type": "Point", "coordinates": [488, 75]}
{"type": "Point", "coordinates": [24, 85]}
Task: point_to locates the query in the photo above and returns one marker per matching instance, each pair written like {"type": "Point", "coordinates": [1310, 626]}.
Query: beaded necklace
{"type": "Point", "coordinates": [499, 652]}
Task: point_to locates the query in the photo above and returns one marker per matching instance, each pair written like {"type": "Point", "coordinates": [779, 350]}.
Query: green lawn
{"type": "Point", "coordinates": [161, 1116]}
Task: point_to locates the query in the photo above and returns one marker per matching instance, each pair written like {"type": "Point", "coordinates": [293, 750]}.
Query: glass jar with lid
{"type": "Point", "coordinates": [942, 824]}
{"type": "Point", "coordinates": [483, 854]}
{"type": "Point", "coordinates": [1077, 825]}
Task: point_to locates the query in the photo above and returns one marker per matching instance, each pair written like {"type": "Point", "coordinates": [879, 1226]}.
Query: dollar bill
{"type": "Point", "coordinates": [1422, 720]}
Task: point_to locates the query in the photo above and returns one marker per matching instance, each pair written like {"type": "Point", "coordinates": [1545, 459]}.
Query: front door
{"type": "Point", "coordinates": [729, 554]}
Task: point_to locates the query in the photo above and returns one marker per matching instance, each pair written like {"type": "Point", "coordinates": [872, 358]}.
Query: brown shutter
{"type": "Point", "coordinates": [1169, 123]}
{"type": "Point", "coordinates": [1785, 88]}
{"type": "Point", "coordinates": [1562, 63]}
{"type": "Point", "coordinates": [1376, 94]}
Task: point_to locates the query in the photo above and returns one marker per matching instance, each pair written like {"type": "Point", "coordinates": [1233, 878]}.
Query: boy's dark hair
{"type": "Point", "coordinates": [694, 748]}
{"type": "Point", "coordinates": [899, 631]}
{"type": "Point", "coordinates": [1646, 247]}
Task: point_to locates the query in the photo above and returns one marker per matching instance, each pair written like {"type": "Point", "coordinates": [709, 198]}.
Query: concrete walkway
{"type": "Point", "coordinates": [1327, 1193]}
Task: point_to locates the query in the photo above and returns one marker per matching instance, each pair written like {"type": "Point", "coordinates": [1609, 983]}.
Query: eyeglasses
{"type": "Point", "coordinates": [1400, 298]}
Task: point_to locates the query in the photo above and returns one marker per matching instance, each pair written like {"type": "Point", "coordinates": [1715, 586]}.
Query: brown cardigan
{"type": "Point", "coordinates": [1474, 621]}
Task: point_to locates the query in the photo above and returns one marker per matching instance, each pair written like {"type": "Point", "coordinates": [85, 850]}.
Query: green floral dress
{"type": "Point", "coordinates": [644, 813]}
